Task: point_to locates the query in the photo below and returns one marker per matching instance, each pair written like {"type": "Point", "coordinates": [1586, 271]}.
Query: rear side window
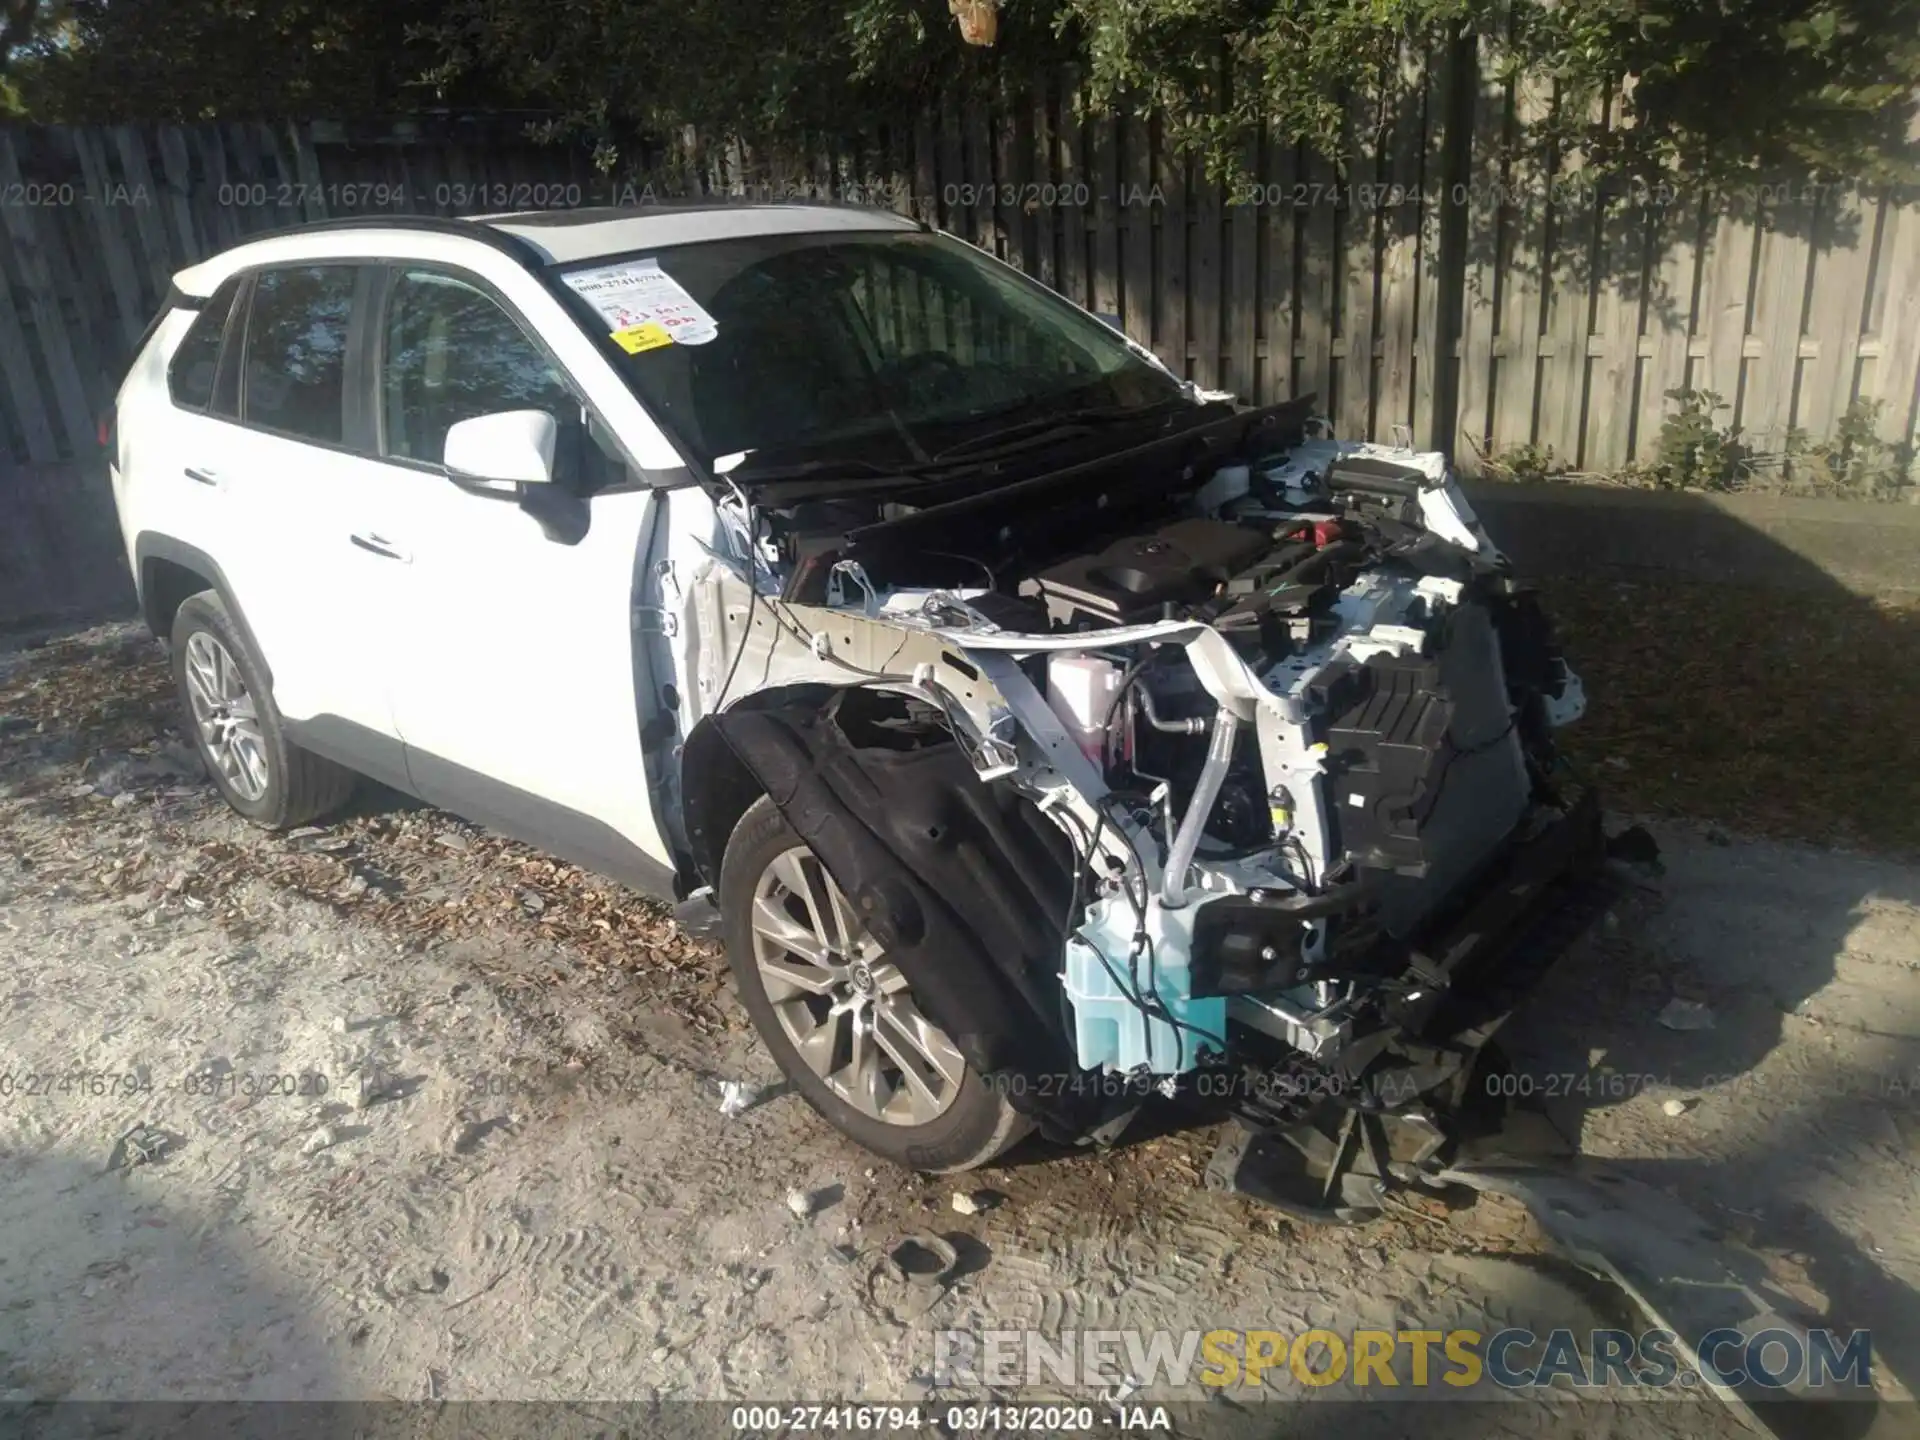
{"type": "Point", "coordinates": [196, 360]}
{"type": "Point", "coordinates": [294, 378]}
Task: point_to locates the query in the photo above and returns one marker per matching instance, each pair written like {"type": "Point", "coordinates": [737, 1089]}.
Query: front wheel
{"type": "Point", "coordinates": [839, 1016]}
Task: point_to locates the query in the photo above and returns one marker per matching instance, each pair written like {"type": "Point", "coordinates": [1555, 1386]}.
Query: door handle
{"type": "Point", "coordinates": [377, 545]}
{"type": "Point", "coordinates": [204, 477]}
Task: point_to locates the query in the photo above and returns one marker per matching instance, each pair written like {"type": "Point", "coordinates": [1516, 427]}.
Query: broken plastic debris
{"type": "Point", "coordinates": [139, 1144]}
{"type": "Point", "coordinates": [1686, 1015]}
{"type": "Point", "coordinates": [737, 1097]}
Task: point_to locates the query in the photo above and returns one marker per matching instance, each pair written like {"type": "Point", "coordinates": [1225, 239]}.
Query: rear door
{"type": "Point", "coordinates": [175, 430]}
{"type": "Point", "coordinates": [312, 577]}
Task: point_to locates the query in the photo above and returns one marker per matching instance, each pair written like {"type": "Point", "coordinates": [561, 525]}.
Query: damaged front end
{"type": "Point", "coordinates": [1220, 765]}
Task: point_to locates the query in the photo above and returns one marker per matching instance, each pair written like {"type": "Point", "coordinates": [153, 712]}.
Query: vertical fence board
{"type": "Point", "coordinates": [1668, 316]}
{"type": "Point", "coordinates": [1170, 338]}
{"type": "Point", "coordinates": [1316, 238]}
{"type": "Point", "coordinates": [1076, 199]}
{"type": "Point", "coordinates": [1778, 312]}
{"type": "Point", "coordinates": [1568, 277]}
{"type": "Point", "coordinates": [1044, 193]}
{"type": "Point", "coordinates": [1517, 373]}
{"type": "Point", "coordinates": [1840, 282]}
{"type": "Point", "coordinates": [51, 332]}
{"type": "Point", "coordinates": [1614, 348]}
{"type": "Point", "coordinates": [1356, 252]}
{"type": "Point", "coordinates": [1399, 211]}
{"type": "Point", "coordinates": [106, 215]}
{"type": "Point", "coordinates": [1725, 288]}
{"type": "Point", "coordinates": [1896, 369]}
{"type": "Point", "coordinates": [1439, 276]}
{"type": "Point", "coordinates": [1108, 217]}
{"type": "Point", "coordinates": [1205, 279]}
{"type": "Point", "coordinates": [982, 180]}
{"type": "Point", "coordinates": [1280, 223]}
{"type": "Point", "coordinates": [16, 368]}
{"type": "Point", "coordinates": [1241, 319]}
{"type": "Point", "coordinates": [130, 141]}
{"type": "Point", "coordinates": [1136, 230]}
{"type": "Point", "coordinates": [176, 189]}
{"type": "Point", "coordinates": [1480, 280]}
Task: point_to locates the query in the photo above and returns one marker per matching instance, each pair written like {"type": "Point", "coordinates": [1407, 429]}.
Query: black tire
{"type": "Point", "coordinates": [978, 1126]}
{"type": "Point", "coordinates": [301, 787]}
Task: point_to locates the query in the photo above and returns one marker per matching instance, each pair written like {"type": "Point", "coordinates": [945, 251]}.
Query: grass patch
{"type": "Point", "coordinates": [1772, 712]}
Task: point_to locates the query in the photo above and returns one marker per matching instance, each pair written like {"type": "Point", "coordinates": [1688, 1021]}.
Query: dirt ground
{"type": "Point", "coordinates": [430, 1117]}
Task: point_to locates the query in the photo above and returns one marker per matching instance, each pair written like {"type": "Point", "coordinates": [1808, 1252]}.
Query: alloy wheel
{"type": "Point", "coordinates": [845, 1007]}
{"type": "Point", "coordinates": [226, 715]}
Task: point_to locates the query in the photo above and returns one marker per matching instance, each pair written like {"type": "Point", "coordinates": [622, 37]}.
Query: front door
{"type": "Point", "coordinates": [513, 663]}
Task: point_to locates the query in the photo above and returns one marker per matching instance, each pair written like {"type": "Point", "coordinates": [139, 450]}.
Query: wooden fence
{"type": "Point", "coordinates": [1430, 291]}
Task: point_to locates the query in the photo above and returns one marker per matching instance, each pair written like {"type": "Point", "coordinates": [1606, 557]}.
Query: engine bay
{"type": "Point", "coordinates": [1281, 695]}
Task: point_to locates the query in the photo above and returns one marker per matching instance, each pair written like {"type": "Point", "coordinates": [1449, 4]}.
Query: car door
{"type": "Point", "coordinates": [310, 574]}
{"type": "Point", "coordinates": [176, 436]}
{"type": "Point", "coordinates": [514, 672]}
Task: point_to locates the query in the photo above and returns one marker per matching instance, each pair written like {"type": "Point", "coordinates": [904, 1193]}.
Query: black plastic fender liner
{"type": "Point", "coordinates": [965, 884]}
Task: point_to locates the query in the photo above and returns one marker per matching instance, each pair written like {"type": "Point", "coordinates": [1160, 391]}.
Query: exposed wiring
{"type": "Point", "coordinates": [753, 588]}
{"type": "Point", "coordinates": [1143, 941]}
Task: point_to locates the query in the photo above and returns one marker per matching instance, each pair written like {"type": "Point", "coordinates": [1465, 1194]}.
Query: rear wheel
{"type": "Point", "coordinates": [839, 1016]}
{"type": "Point", "coordinates": [230, 711]}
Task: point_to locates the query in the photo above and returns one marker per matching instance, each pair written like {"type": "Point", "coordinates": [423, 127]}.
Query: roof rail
{"type": "Point", "coordinates": [519, 248]}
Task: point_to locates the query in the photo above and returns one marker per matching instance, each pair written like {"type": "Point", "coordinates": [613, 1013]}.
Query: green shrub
{"type": "Point", "coordinates": [1856, 463]}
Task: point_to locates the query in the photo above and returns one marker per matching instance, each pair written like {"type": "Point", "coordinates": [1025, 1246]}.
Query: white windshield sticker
{"type": "Point", "coordinates": [645, 306]}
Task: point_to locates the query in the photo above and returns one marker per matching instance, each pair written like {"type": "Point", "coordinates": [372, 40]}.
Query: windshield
{"type": "Point", "coordinates": [881, 349]}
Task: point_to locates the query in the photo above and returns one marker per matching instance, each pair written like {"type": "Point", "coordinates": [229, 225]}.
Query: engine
{"type": "Point", "coordinates": [1417, 674]}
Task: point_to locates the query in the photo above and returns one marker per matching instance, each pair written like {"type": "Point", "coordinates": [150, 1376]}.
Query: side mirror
{"type": "Point", "coordinates": [510, 446]}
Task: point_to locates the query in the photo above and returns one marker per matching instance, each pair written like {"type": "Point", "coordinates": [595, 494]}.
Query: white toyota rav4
{"type": "Point", "coordinates": [1041, 731]}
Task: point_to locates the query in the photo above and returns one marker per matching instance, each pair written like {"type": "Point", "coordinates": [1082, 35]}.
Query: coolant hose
{"type": "Point", "coordinates": [1173, 884]}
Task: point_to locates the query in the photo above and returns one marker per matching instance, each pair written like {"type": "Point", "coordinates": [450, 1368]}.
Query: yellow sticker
{"type": "Point", "coordinates": [649, 335]}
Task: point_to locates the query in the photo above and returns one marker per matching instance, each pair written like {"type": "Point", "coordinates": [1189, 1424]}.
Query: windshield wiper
{"type": "Point", "coordinates": [1043, 428]}
{"type": "Point", "coordinates": [958, 457]}
{"type": "Point", "coordinates": [810, 469]}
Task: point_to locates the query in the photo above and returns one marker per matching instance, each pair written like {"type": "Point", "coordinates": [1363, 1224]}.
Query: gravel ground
{"type": "Point", "coordinates": [517, 1181]}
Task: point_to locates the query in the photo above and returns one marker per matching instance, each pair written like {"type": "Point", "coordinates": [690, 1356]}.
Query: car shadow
{"type": "Point", "coordinates": [1682, 1001]}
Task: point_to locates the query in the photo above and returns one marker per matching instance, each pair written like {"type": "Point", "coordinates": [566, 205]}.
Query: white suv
{"type": "Point", "coordinates": [1042, 731]}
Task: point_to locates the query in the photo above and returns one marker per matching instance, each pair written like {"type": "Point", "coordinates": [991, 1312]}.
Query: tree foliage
{"type": "Point", "coordinates": [1714, 91]}
{"type": "Point", "coordinates": [1729, 89]}
{"type": "Point", "coordinates": [117, 60]}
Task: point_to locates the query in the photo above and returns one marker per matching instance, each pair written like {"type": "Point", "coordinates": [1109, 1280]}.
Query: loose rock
{"type": "Point", "coordinates": [321, 1139]}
